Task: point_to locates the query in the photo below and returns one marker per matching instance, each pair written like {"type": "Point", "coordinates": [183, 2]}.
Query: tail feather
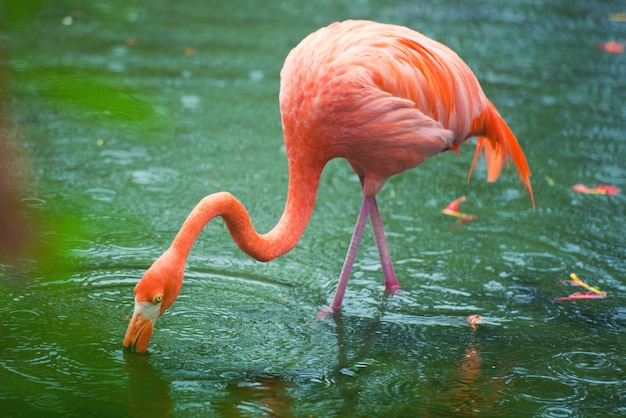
{"type": "Point", "coordinates": [499, 144]}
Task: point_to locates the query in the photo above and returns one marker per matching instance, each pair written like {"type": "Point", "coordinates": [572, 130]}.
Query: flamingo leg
{"type": "Point", "coordinates": [352, 250]}
{"type": "Point", "coordinates": [391, 283]}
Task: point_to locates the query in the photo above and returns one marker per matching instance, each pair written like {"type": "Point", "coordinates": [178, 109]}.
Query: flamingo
{"type": "Point", "coordinates": [381, 96]}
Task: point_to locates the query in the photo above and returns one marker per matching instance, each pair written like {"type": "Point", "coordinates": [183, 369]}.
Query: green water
{"type": "Point", "coordinates": [123, 114]}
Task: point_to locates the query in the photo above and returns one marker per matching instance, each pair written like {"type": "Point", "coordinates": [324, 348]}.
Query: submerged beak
{"type": "Point", "coordinates": [140, 328]}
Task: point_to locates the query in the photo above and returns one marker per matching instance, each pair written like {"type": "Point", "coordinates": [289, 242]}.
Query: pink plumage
{"type": "Point", "coordinates": [383, 97]}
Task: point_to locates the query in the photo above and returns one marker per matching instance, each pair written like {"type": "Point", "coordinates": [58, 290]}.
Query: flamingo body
{"type": "Point", "coordinates": [383, 97]}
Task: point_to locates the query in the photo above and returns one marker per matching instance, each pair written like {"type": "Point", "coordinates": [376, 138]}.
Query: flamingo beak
{"type": "Point", "coordinates": [140, 327]}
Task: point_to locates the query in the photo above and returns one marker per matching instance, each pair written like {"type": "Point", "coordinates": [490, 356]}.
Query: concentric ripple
{"type": "Point", "coordinates": [544, 389]}
{"type": "Point", "coordinates": [551, 411]}
{"type": "Point", "coordinates": [48, 401]}
{"type": "Point", "coordinates": [590, 367]}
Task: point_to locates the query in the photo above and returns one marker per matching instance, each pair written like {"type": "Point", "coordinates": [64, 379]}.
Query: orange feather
{"type": "Point", "coordinates": [499, 144]}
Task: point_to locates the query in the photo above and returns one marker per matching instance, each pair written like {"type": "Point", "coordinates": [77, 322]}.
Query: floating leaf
{"type": "Point", "coordinates": [593, 293]}
{"type": "Point", "coordinates": [474, 320]}
{"type": "Point", "coordinates": [454, 205]}
{"type": "Point", "coordinates": [608, 189]}
{"type": "Point", "coordinates": [612, 47]}
{"type": "Point", "coordinates": [584, 295]}
{"type": "Point", "coordinates": [617, 17]}
{"type": "Point", "coordinates": [453, 210]}
{"type": "Point", "coordinates": [599, 189]}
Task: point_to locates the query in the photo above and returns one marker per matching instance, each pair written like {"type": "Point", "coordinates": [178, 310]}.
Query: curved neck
{"type": "Point", "coordinates": [303, 184]}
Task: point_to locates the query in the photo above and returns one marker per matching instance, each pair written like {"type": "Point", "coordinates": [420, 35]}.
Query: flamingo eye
{"type": "Point", "coordinates": [157, 298]}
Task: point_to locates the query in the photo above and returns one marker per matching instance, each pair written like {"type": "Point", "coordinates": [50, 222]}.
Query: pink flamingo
{"type": "Point", "coordinates": [381, 96]}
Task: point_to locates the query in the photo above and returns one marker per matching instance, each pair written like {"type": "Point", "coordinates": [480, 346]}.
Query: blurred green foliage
{"type": "Point", "coordinates": [15, 11]}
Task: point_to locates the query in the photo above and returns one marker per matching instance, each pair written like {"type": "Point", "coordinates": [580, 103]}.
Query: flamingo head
{"type": "Point", "coordinates": [155, 292]}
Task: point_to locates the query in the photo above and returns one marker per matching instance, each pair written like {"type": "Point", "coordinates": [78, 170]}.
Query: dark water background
{"type": "Point", "coordinates": [124, 114]}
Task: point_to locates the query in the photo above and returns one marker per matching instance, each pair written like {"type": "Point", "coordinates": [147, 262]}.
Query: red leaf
{"type": "Point", "coordinates": [454, 205]}
{"type": "Point", "coordinates": [585, 295]}
{"type": "Point", "coordinates": [599, 189]}
{"type": "Point", "coordinates": [612, 47]}
{"type": "Point", "coordinates": [608, 189]}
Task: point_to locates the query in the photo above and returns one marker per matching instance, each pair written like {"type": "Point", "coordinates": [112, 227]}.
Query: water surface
{"type": "Point", "coordinates": [126, 114]}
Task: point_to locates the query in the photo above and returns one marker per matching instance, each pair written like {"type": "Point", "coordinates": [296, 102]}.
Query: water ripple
{"type": "Point", "coordinates": [398, 385]}
{"type": "Point", "coordinates": [49, 402]}
{"type": "Point", "coordinates": [101, 194]}
{"type": "Point", "coordinates": [122, 239]}
{"type": "Point", "coordinates": [617, 319]}
{"type": "Point", "coordinates": [521, 294]}
{"type": "Point", "coordinates": [154, 175]}
{"type": "Point", "coordinates": [45, 364]}
{"type": "Point", "coordinates": [544, 389]}
{"type": "Point", "coordinates": [619, 399]}
{"type": "Point", "coordinates": [325, 381]}
{"type": "Point", "coordinates": [590, 367]}
{"type": "Point", "coordinates": [552, 411]}
{"type": "Point", "coordinates": [534, 261]}
{"type": "Point", "coordinates": [123, 157]}
{"type": "Point", "coordinates": [24, 315]}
